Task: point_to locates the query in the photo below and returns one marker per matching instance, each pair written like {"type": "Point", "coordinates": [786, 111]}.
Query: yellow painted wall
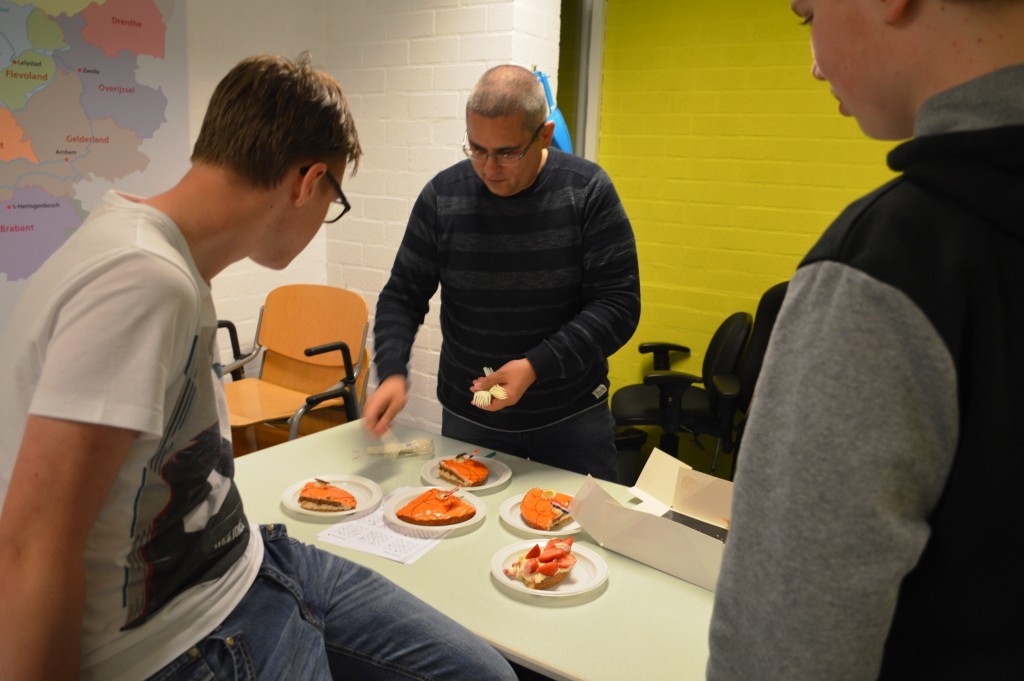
{"type": "Point", "coordinates": [730, 159]}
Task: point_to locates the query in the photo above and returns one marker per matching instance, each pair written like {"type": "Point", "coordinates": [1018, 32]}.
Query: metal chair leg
{"type": "Point", "coordinates": [714, 459]}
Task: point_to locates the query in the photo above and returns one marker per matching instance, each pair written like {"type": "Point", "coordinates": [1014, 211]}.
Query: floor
{"type": "Point", "coordinates": [631, 459]}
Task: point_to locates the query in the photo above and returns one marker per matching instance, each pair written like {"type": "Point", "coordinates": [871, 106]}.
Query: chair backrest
{"type": "Point", "coordinates": [300, 316]}
{"type": "Point", "coordinates": [724, 351]}
{"type": "Point", "coordinates": [749, 366]}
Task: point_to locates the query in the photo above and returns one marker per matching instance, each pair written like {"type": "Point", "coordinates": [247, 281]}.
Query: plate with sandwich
{"type": "Point", "coordinates": [553, 569]}
{"type": "Point", "coordinates": [433, 510]}
{"type": "Point", "coordinates": [540, 511]}
{"type": "Point", "coordinates": [332, 497]}
{"type": "Point", "coordinates": [474, 473]}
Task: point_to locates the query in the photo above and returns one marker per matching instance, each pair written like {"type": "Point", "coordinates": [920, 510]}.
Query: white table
{"type": "Point", "coordinates": [642, 624]}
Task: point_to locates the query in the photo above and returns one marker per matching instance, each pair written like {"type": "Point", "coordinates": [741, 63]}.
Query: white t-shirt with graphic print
{"type": "Point", "coordinates": [117, 328]}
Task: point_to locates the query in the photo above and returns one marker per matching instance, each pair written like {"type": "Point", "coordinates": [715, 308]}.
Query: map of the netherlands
{"type": "Point", "coordinates": [92, 96]}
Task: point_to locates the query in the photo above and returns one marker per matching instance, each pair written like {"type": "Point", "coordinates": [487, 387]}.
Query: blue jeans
{"type": "Point", "coordinates": [584, 442]}
{"type": "Point", "coordinates": [313, 616]}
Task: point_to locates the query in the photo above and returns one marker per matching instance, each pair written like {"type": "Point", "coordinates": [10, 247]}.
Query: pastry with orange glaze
{"type": "Point", "coordinates": [435, 507]}
{"type": "Point", "coordinates": [545, 509]}
{"type": "Point", "coordinates": [463, 470]}
{"type": "Point", "coordinates": [319, 495]}
{"type": "Point", "coordinates": [543, 568]}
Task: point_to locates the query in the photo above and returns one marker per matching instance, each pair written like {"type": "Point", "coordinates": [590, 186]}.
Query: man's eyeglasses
{"type": "Point", "coordinates": [509, 158]}
{"type": "Point", "coordinates": [340, 205]}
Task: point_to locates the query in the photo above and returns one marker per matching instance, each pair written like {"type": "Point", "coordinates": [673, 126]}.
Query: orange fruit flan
{"type": "Point", "coordinates": [545, 509]}
{"type": "Point", "coordinates": [463, 470]}
{"type": "Point", "coordinates": [319, 495]}
{"type": "Point", "coordinates": [435, 507]}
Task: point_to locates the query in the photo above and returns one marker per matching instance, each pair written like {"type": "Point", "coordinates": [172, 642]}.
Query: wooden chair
{"type": "Point", "coordinates": [307, 381]}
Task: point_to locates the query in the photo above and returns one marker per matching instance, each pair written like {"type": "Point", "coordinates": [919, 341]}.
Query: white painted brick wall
{"type": "Point", "coordinates": [217, 40]}
{"type": "Point", "coordinates": [407, 67]}
{"type": "Point", "coordinates": [421, 110]}
{"type": "Point", "coordinates": [461, 21]}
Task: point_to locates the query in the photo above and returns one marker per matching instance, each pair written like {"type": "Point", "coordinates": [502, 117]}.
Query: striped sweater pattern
{"type": "Point", "coordinates": [549, 274]}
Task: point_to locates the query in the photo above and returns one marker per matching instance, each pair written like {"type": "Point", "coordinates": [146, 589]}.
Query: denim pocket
{"type": "Point", "coordinates": [219, 656]}
{"type": "Point", "coordinates": [190, 666]}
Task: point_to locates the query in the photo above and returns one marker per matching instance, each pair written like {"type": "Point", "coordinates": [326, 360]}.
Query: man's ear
{"type": "Point", "coordinates": [305, 184]}
{"type": "Point", "coordinates": [896, 11]}
{"type": "Point", "coordinates": [546, 133]}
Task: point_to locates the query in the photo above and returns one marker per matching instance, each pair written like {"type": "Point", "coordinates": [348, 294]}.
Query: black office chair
{"type": "Point", "coordinates": [737, 397]}
{"type": "Point", "coordinates": [671, 400]}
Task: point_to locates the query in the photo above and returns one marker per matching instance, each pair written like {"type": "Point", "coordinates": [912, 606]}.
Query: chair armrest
{"type": "Point", "coordinates": [235, 368]}
{"type": "Point", "coordinates": [343, 388]}
{"type": "Point", "coordinates": [727, 385]}
{"type": "Point", "coordinates": [344, 391]}
{"type": "Point", "coordinates": [661, 353]}
{"type": "Point", "coordinates": [671, 385]}
{"type": "Point", "coordinates": [669, 347]}
{"type": "Point", "coordinates": [346, 357]}
{"type": "Point", "coordinates": [351, 406]}
{"type": "Point", "coordinates": [236, 349]}
{"type": "Point", "coordinates": [728, 388]}
{"type": "Point", "coordinates": [671, 379]}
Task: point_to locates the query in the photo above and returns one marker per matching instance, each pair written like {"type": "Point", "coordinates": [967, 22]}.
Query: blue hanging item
{"type": "Point", "coordinates": [561, 139]}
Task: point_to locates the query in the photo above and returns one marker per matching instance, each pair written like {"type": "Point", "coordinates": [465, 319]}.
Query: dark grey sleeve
{"type": "Point", "coordinates": [611, 290]}
{"type": "Point", "coordinates": [403, 303]}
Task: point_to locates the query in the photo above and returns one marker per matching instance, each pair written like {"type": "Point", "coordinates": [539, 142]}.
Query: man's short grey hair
{"type": "Point", "coordinates": [506, 90]}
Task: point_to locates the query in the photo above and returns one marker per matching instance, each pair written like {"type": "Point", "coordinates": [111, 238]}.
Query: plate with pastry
{"type": "Point", "coordinates": [555, 568]}
{"type": "Point", "coordinates": [332, 497]}
{"type": "Point", "coordinates": [539, 511]}
{"type": "Point", "coordinates": [434, 510]}
{"type": "Point", "coordinates": [467, 471]}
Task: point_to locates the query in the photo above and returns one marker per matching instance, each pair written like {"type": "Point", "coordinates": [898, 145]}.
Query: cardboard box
{"type": "Point", "coordinates": [679, 526]}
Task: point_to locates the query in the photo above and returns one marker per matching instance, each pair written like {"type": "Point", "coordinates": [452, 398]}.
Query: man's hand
{"type": "Point", "coordinates": [515, 377]}
{"type": "Point", "coordinates": [385, 404]}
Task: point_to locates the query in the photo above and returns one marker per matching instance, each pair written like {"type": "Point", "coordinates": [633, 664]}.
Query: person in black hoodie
{"type": "Point", "coordinates": [872, 532]}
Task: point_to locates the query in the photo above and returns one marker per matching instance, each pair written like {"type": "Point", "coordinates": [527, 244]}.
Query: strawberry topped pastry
{"type": "Point", "coordinates": [320, 495]}
{"type": "Point", "coordinates": [545, 509]}
{"type": "Point", "coordinates": [543, 568]}
{"type": "Point", "coordinates": [436, 507]}
{"type": "Point", "coordinates": [463, 470]}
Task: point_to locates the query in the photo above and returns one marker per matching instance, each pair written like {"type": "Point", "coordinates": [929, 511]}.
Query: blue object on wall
{"type": "Point", "coordinates": [561, 139]}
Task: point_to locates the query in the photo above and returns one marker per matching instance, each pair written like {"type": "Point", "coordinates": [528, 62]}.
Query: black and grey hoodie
{"type": "Point", "coordinates": [874, 530]}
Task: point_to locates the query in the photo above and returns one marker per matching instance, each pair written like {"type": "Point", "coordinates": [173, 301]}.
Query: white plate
{"type": "Point", "coordinates": [509, 513]}
{"type": "Point", "coordinates": [498, 473]}
{"type": "Point", "coordinates": [589, 572]}
{"type": "Point", "coordinates": [399, 500]}
{"type": "Point", "coordinates": [367, 493]}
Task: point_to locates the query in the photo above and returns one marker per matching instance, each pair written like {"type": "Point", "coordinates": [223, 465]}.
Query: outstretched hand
{"type": "Point", "coordinates": [385, 404]}
{"type": "Point", "coordinates": [516, 377]}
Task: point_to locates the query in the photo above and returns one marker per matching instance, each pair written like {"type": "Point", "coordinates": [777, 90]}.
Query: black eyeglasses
{"type": "Point", "coordinates": [511, 158]}
{"type": "Point", "coordinates": [340, 205]}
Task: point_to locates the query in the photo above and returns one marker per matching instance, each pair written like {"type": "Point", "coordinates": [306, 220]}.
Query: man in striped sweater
{"type": "Point", "coordinates": [538, 272]}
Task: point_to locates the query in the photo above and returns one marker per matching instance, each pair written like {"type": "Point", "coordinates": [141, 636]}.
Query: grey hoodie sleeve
{"type": "Point", "coordinates": [850, 441]}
